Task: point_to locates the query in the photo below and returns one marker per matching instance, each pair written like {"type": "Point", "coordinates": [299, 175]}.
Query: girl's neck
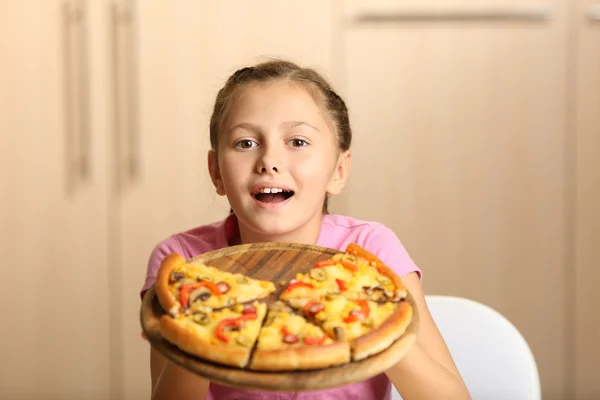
{"type": "Point", "coordinates": [307, 234]}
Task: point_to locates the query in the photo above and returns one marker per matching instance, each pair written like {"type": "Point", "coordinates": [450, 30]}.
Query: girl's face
{"type": "Point", "coordinates": [277, 158]}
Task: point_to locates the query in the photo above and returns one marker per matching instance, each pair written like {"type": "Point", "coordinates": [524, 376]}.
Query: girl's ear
{"type": "Point", "coordinates": [215, 173]}
{"type": "Point", "coordinates": [341, 173]}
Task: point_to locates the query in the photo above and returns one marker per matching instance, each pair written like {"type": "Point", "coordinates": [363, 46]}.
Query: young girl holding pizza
{"type": "Point", "coordinates": [278, 126]}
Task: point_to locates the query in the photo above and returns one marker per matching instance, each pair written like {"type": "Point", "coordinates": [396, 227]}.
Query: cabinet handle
{"type": "Point", "coordinates": [76, 93]}
{"type": "Point", "coordinates": [537, 12]}
{"type": "Point", "coordinates": [125, 103]}
{"type": "Point", "coordinates": [594, 12]}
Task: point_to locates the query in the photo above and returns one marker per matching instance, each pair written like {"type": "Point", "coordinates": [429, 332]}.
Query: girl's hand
{"type": "Point", "coordinates": [169, 381]}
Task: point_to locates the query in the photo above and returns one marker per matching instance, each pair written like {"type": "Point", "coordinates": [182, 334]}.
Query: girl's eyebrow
{"type": "Point", "coordinates": [256, 129]}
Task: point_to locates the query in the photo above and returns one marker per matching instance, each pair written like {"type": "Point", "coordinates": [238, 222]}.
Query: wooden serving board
{"type": "Point", "coordinates": [276, 262]}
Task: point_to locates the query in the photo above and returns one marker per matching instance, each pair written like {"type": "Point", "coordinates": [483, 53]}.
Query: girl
{"type": "Point", "coordinates": [280, 139]}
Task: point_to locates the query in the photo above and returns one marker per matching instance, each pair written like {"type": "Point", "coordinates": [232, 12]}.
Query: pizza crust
{"type": "Point", "coordinates": [188, 341]}
{"type": "Point", "coordinates": [301, 358]}
{"type": "Point", "coordinates": [400, 291]}
{"type": "Point", "coordinates": [165, 298]}
{"type": "Point", "coordinates": [382, 337]}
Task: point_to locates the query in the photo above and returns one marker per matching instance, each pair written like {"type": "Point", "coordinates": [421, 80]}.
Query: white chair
{"type": "Point", "coordinates": [492, 356]}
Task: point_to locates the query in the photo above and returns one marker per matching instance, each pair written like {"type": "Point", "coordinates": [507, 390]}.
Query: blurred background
{"type": "Point", "coordinates": [476, 139]}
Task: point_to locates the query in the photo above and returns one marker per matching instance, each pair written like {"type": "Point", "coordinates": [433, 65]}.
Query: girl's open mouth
{"type": "Point", "coordinates": [272, 195]}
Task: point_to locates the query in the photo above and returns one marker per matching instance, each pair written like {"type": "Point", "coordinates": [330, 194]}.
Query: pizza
{"type": "Point", "coordinates": [343, 309]}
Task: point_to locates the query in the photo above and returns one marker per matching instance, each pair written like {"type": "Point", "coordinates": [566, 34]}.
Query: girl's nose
{"type": "Point", "coordinates": [269, 163]}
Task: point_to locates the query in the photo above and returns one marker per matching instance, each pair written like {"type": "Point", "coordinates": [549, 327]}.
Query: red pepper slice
{"type": "Point", "coordinates": [299, 284]}
{"type": "Point", "coordinates": [219, 331]}
{"type": "Point", "coordinates": [247, 317]}
{"type": "Point", "coordinates": [349, 266]}
{"type": "Point", "coordinates": [314, 340]}
{"type": "Point", "coordinates": [325, 263]}
{"type": "Point", "coordinates": [239, 321]}
{"type": "Point", "coordinates": [341, 285]}
{"type": "Point", "coordinates": [184, 293]}
{"type": "Point", "coordinates": [359, 315]}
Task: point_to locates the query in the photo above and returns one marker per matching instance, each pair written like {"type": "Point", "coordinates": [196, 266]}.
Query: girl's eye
{"type": "Point", "coordinates": [298, 142]}
{"type": "Point", "coordinates": [245, 144]}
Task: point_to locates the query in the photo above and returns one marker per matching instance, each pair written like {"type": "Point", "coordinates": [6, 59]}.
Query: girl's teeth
{"type": "Point", "coordinates": [271, 190]}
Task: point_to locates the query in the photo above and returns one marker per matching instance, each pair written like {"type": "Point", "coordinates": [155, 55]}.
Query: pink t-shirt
{"type": "Point", "coordinates": [336, 232]}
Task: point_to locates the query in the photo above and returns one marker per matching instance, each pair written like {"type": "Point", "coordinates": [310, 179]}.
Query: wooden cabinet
{"type": "Point", "coordinates": [584, 321]}
{"type": "Point", "coordinates": [55, 340]}
{"type": "Point", "coordinates": [459, 113]}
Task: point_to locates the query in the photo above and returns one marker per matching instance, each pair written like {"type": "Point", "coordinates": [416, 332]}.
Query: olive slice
{"type": "Point", "coordinates": [318, 274]}
{"type": "Point", "coordinates": [200, 318]}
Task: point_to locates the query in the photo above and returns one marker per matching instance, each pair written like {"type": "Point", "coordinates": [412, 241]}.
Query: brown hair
{"type": "Point", "coordinates": [273, 70]}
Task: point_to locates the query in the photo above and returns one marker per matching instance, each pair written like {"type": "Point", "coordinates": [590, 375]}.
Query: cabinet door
{"type": "Point", "coordinates": [459, 117]}
{"type": "Point", "coordinates": [53, 216]}
{"type": "Point", "coordinates": [185, 52]}
{"type": "Point", "coordinates": [587, 198]}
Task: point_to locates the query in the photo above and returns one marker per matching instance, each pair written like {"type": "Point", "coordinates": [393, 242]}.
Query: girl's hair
{"type": "Point", "coordinates": [273, 70]}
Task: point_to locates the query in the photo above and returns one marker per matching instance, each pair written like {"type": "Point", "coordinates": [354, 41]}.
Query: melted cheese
{"type": "Point", "coordinates": [207, 331]}
{"type": "Point", "coordinates": [271, 336]}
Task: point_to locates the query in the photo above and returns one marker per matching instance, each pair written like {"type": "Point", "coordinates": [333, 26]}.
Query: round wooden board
{"type": "Point", "coordinates": [275, 262]}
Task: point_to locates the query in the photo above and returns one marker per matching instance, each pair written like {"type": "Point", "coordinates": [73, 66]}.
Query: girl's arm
{"type": "Point", "coordinates": [427, 371]}
{"type": "Point", "coordinates": [169, 381]}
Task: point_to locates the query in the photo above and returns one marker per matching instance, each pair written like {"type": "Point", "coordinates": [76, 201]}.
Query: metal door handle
{"type": "Point", "coordinates": [76, 92]}
{"type": "Point", "coordinates": [534, 12]}
{"type": "Point", "coordinates": [125, 104]}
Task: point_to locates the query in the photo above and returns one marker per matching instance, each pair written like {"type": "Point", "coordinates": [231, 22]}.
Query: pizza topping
{"type": "Point", "coordinates": [201, 294]}
{"type": "Point", "coordinates": [358, 251]}
{"type": "Point", "coordinates": [384, 280]}
{"type": "Point", "coordinates": [280, 306]}
{"type": "Point", "coordinates": [242, 279]}
{"type": "Point", "coordinates": [298, 302]}
{"type": "Point", "coordinates": [339, 333]}
{"type": "Point", "coordinates": [232, 324]}
{"type": "Point", "coordinates": [341, 285]}
{"type": "Point", "coordinates": [359, 314]}
{"type": "Point", "coordinates": [244, 341]}
{"type": "Point", "coordinates": [349, 266]}
{"type": "Point", "coordinates": [368, 323]}
{"type": "Point", "coordinates": [314, 340]}
{"type": "Point", "coordinates": [177, 276]}
{"type": "Point", "coordinates": [249, 309]}
{"type": "Point", "coordinates": [325, 263]}
{"type": "Point", "coordinates": [223, 287]}
{"type": "Point", "coordinates": [297, 284]}
{"type": "Point", "coordinates": [368, 290]}
{"type": "Point", "coordinates": [318, 275]}
{"type": "Point", "coordinates": [312, 308]}
{"type": "Point", "coordinates": [200, 318]}
{"type": "Point", "coordinates": [184, 294]}
{"type": "Point", "coordinates": [226, 324]}
{"type": "Point", "coordinates": [290, 338]}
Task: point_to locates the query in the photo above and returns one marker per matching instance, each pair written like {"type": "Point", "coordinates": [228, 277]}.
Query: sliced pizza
{"type": "Point", "coordinates": [226, 336]}
{"type": "Point", "coordinates": [356, 275]}
{"type": "Point", "coordinates": [287, 341]}
{"type": "Point", "coordinates": [369, 326]}
{"type": "Point", "coordinates": [186, 288]}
